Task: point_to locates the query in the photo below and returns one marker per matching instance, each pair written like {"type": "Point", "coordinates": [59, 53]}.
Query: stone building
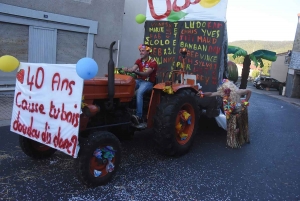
{"type": "Point", "coordinates": [293, 76]}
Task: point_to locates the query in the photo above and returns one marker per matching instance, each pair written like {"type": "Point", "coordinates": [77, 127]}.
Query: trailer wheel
{"type": "Point", "coordinates": [99, 158]}
{"type": "Point", "coordinates": [176, 122]}
{"type": "Point", "coordinates": [35, 149]}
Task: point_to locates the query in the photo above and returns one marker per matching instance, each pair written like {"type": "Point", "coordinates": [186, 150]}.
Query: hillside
{"type": "Point", "coordinates": [252, 45]}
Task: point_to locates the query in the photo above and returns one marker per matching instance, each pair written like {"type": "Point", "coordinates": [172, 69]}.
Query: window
{"type": "Point", "coordinates": [13, 41]}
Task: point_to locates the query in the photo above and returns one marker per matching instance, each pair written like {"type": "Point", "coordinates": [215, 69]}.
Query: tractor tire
{"type": "Point", "coordinates": [168, 135]}
{"type": "Point", "coordinates": [92, 171]}
{"type": "Point", "coordinates": [35, 149]}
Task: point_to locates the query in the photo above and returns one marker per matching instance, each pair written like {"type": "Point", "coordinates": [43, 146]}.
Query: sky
{"type": "Point", "coordinates": [270, 20]}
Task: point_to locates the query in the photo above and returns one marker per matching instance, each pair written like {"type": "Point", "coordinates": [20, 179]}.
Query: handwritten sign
{"type": "Point", "coordinates": [203, 40]}
{"type": "Point", "coordinates": [47, 105]}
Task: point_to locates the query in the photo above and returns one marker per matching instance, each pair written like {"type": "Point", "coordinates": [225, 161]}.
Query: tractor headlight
{"type": "Point", "coordinates": [90, 110]}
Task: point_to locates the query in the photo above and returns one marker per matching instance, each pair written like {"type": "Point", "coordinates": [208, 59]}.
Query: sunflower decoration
{"type": "Point", "coordinates": [183, 136]}
{"type": "Point", "coordinates": [168, 90]}
{"type": "Point", "coordinates": [178, 126]}
{"type": "Point", "coordinates": [185, 116]}
{"type": "Point", "coordinates": [185, 119]}
{"type": "Point", "coordinates": [83, 104]}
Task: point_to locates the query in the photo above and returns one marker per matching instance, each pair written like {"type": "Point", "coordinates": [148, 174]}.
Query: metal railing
{"type": "Point", "coordinates": [7, 88]}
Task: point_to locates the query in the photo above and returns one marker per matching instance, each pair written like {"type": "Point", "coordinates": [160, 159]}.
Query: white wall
{"type": "Point", "coordinates": [279, 69]}
{"type": "Point", "coordinates": [132, 32]}
{"type": "Point", "coordinates": [240, 68]}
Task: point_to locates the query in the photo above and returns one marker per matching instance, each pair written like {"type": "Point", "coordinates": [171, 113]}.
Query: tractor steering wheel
{"type": "Point", "coordinates": [122, 72]}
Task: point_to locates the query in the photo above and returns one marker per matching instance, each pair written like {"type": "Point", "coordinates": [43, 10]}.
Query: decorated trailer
{"type": "Point", "coordinates": [200, 27]}
{"type": "Point", "coordinates": [66, 108]}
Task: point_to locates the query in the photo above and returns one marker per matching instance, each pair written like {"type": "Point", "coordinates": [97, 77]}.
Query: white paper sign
{"type": "Point", "coordinates": [47, 105]}
{"type": "Point", "coordinates": [194, 10]}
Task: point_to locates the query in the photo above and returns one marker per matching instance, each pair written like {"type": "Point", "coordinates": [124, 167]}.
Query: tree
{"type": "Point", "coordinates": [255, 74]}
{"type": "Point", "coordinates": [237, 60]}
{"type": "Point", "coordinates": [266, 68]}
{"type": "Point", "coordinates": [255, 56]}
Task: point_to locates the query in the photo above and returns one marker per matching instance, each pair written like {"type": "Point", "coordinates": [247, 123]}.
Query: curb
{"type": "Point", "coordinates": [275, 94]}
{"type": "Point", "coordinates": [286, 99]}
{"type": "Point", "coordinates": [4, 123]}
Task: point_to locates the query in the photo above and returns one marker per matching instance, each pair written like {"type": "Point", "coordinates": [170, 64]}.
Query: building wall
{"type": "Point", "coordinates": [296, 91]}
{"type": "Point", "coordinates": [133, 33]}
{"type": "Point", "coordinates": [293, 84]}
{"type": "Point", "coordinates": [293, 80]}
{"type": "Point", "coordinates": [240, 69]}
{"type": "Point", "coordinates": [108, 14]}
{"type": "Point", "coordinates": [295, 59]}
{"type": "Point", "coordinates": [13, 41]}
{"type": "Point", "coordinates": [296, 46]}
{"type": "Point", "coordinates": [279, 69]}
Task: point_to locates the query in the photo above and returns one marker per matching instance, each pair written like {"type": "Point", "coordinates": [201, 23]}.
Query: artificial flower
{"type": "Point", "coordinates": [183, 136]}
{"type": "Point", "coordinates": [168, 90]}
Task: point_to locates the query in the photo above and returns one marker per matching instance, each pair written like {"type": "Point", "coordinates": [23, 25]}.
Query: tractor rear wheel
{"type": "Point", "coordinates": [99, 158]}
{"type": "Point", "coordinates": [35, 149]}
{"type": "Point", "coordinates": [176, 122]}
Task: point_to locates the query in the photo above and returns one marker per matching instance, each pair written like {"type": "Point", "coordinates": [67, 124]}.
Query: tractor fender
{"type": "Point", "coordinates": [176, 87]}
{"type": "Point", "coordinates": [157, 95]}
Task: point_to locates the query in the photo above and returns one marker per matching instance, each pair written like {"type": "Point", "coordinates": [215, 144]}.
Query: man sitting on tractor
{"type": "Point", "coordinates": [146, 73]}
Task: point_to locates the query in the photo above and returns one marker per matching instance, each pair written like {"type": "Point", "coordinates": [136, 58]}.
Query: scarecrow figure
{"type": "Point", "coordinates": [236, 112]}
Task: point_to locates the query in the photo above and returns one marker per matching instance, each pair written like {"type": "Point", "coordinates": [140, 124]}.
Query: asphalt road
{"type": "Point", "coordinates": [266, 169]}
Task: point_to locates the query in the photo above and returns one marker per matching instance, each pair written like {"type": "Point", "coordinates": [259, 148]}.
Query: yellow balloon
{"type": "Point", "coordinates": [8, 63]}
{"type": "Point", "coordinates": [208, 3]}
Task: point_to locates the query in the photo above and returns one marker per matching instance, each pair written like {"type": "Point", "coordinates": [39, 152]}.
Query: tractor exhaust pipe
{"type": "Point", "coordinates": [111, 78]}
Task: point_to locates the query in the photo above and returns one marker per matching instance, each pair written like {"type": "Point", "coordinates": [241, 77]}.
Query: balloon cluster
{"type": "Point", "coordinates": [86, 68]}
{"type": "Point", "coordinates": [8, 63]}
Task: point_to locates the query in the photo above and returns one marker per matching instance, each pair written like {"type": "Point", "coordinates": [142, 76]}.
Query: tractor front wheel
{"type": "Point", "coordinates": [35, 149]}
{"type": "Point", "coordinates": [176, 122]}
{"type": "Point", "coordinates": [99, 158]}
